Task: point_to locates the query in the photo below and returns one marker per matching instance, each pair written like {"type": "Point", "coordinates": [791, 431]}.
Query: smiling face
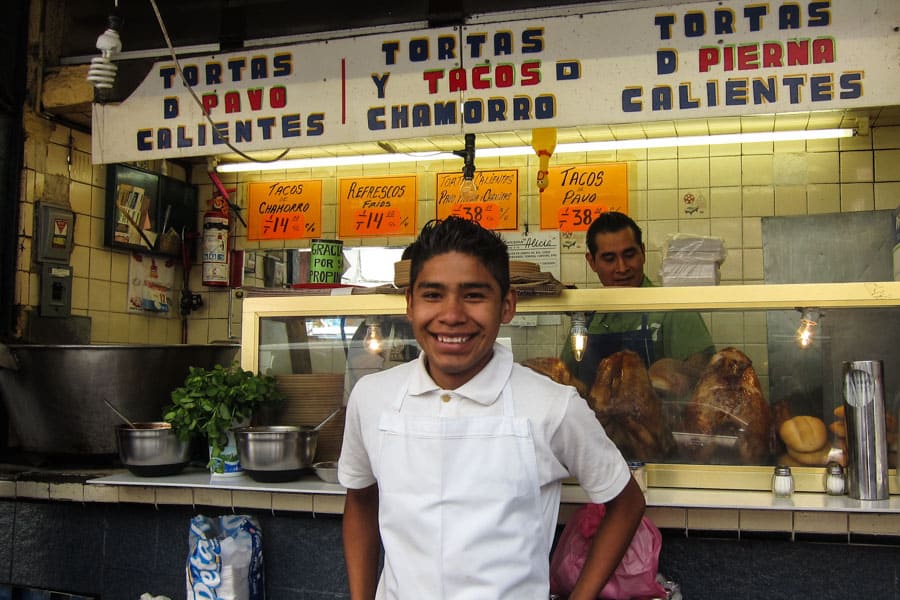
{"type": "Point", "coordinates": [456, 309]}
{"type": "Point", "coordinates": [619, 259]}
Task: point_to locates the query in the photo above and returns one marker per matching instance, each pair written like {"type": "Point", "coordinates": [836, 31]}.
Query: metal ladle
{"type": "Point", "coordinates": [121, 416]}
{"type": "Point", "coordinates": [328, 418]}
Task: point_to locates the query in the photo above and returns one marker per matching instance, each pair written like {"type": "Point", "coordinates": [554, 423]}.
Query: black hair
{"type": "Point", "coordinates": [611, 222]}
{"type": "Point", "coordinates": [455, 234]}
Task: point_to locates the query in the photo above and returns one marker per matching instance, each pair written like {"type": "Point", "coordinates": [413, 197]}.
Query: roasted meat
{"type": "Point", "coordinates": [629, 409]}
{"type": "Point", "coordinates": [556, 370]}
{"type": "Point", "coordinates": [728, 401]}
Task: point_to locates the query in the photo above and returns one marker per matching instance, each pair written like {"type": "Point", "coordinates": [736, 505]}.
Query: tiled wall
{"type": "Point", "coordinates": [736, 185]}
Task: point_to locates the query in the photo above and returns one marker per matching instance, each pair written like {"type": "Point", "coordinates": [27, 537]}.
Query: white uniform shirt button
{"type": "Point", "coordinates": [445, 397]}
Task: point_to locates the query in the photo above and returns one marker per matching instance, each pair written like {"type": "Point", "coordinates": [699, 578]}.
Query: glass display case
{"type": "Point", "coordinates": [778, 354]}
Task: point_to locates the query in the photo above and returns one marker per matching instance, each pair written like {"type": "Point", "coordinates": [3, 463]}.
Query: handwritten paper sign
{"type": "Point", "coordinates": [284, 210]}
{"type": "Point", "coordinates": [496, 201]}
{"type": "Point", "coordinates": [377, 206]}
{"type": "Point", "coordinates": [578, 194]}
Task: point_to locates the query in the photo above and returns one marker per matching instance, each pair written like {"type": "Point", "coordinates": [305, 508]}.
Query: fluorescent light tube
{"type": "Point", "coordinates": [668, 142]}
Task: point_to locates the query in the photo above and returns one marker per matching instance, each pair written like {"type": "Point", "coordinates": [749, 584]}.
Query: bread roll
{"type": "Point", "coordinates": [803, 433]}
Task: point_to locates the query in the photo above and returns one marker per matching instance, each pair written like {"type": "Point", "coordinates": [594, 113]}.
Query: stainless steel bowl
{"type": "Point", "coordinates": [151, 449]}
{"type": "Point", "coordinates": [327, 471]}
{"type": "Point", "coordinates": [275, 453]}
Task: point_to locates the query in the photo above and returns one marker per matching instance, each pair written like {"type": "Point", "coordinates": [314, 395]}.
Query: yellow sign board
{"type": "Point", "coordinates": [495, 204]}
{"type": "Point", "coordinates": [377, 206]}
{"type": "Point", "coordinates": [284, 210]}
{"type": "Point", "coordinates": [578, 194]}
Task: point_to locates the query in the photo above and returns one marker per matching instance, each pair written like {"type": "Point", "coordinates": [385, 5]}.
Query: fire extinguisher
{"type": "Point", "coordinates": [214, 243]}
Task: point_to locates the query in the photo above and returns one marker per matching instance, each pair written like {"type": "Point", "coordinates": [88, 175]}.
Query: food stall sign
{"type": "Point", "coordinates": [696, 60]}
{"type": "Point", "coordinates": [578, 194]}
{"type": "Point", "coordinates": [377, 206]}
{"type": "Point", "coordinates": [496, 202]}
{"type": "Point", "coordinates": [284, 210]}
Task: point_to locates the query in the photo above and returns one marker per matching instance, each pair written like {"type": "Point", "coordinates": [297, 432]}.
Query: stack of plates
{"type": "Point", "coordinates": [308, 399]}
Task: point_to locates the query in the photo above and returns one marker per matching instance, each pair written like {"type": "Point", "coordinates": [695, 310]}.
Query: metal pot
{"type": "Point", "coordinates": [152, 449]}
{"type": "Point", "coordinates": [276, 453]}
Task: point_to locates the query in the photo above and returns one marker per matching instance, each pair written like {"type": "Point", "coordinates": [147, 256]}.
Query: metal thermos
{"type": "Point", "coordinates": [864, 411]}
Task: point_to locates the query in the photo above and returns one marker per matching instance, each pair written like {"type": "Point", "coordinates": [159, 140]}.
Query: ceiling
{"type": "Point", "coordinates": [232, 24]}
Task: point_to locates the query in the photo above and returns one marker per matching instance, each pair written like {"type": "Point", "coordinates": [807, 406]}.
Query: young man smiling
{"type": "Point", "coordinates": [454, 462]}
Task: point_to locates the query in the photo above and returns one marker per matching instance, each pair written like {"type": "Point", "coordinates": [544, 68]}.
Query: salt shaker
{"type": "Point", "coordinates": [782, 481]}
{"type": "Point", "coordinates": [834, 479]}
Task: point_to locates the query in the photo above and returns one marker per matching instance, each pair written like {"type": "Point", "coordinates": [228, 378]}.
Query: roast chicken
{"type": "Point", "coordinates": [728, 402]}
{"type": "Point", "coordinates": [629, 409]}
{"type": "Point", "coordinates": [623, 401]}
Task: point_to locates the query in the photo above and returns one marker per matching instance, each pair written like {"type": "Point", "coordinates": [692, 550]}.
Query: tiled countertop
{"type": "Point", "coordinates": [684, 509]}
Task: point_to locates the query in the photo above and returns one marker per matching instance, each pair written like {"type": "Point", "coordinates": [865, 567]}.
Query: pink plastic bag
{"type": "Point", "coordinates": [635, 577]}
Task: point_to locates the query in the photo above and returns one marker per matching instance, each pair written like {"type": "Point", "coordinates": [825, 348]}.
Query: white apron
{"type": "Point", "coordinates": [460, 510]}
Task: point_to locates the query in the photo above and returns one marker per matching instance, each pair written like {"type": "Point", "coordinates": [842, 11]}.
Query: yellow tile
{"type": "Point", "coordinates": [857, 197]}
{"type": "Point", "coordinates": [874, 524]}
{"type": "Point", "coordinates": [724, 171]}
{"type": "Point", "coordinates": [729, 230]}
{"type": "Point", "coordinates": [137, 494]}
{"type": "Point", "coordinates": [856, 167]}
{"type": "Point", "coordinates": [755, 327]}
{"type": "Point", "coordinates": [823, 198]}
{"type": "Point", "coordinates": [789, 169]}
{"type": "Point", "coordinates": [245, 499]}
{"type": "Point", "coordinates": [727, 327]}
{"type": "Point", "coordinates": [328, 504]}
{"type": "Point", "coordinates": [80, 291]}
{"type": "Point", "coordinates": [886, 195]}
{"type": "Point", "coordinates": [67, 491]}
{"type": "Point", "coordinates": [33, 489]}
{"type": "Point", "coordinates": [80, 260]}
{"type": "Point", "coordinates": [292, 502]}
{"type": "Point", "coordinates": [662, 204]}
{"type": "Point", "coordinates": [81, 167]}
{"type": "Point", "coordinates": [820, 522]}
{"type": "Point", "coordinates": [766, 520]}
{"type": "Point", "coordinates": [23, 255]}
{"type": "Point", "coordinates": [887, 165]}
{"type": "Point", "coordinates": [725, 201]}
{"type": "Point", "coordinates": [757, 170]}
{"type": "Point", "coordinates": [7, 488]}
{"type": "Point", "coordinates": [217, 305]}
{"type": "Point", "coordinates": [822, 167]}
{"type": "Point", "coordinates": [96, 231]}
{"type": "Point", "coordinates": [158, 331]}
{"type": "Point", "coordinates": [753, 264]}
{"type": "Point", "coordinates": [758, 148]}
{"type": "Point", "coordinates": [34, 289]}
{"type": "Point", "coordinates": [99, 295]}
{"type": "Point", "coordinates": [790, 200]}
{"type": "Point", "coordinates": [26, 218]}
{"type": "Point", "coordinates": [212, 497]}
{"type": "Point", "coordinates": [662, 174]}
{"type": "Point", "coordinates": [218, 330]}
{"type": "Point", "coordinates": [713, 519]}
{"type": "Point", "coordinates": [118, 327]}
{"type": "Point", "coordinates": [99, 264]}
{"type": "Point", "coordinates": [758, 201]}
{"type": "Point", "coordinates": [23, 286]}
{"type": "Point", "coordinates": [98, 202]}
{"type": "Point", "coordinates": [99, 326]}
{"type": "Point", "coordinates": [57, 157]}
{"type": "Point", "coordinates": [101, 493]}
{"type": "Point", "coordinates": [693, 173]}
{"type": "Point", "coordinates": [667, 518]}
{"type": "Point", "coordinates": [886, 137]}
{"type": "Point", "coordinates": [822, 146]}
{"type": "Point", "coordinates": [138, 329]}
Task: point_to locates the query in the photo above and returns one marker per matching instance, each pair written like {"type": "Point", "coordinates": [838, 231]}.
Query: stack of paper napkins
{"type": "Point", "coordinates": [692, 260]}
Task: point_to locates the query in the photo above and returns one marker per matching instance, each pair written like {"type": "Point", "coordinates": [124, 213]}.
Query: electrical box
{"type": "Point", "coordinates": [56, 290]}
{"type": "Point", "coordinates": [56, 232]}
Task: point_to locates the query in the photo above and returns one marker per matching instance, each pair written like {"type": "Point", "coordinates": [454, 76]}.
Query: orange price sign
{"type": "Point", "coordinates": [497, 195]}
{"type": "Point", "coordinates": [578, 194]}
{"type": "Point", "coordinates": [371, 206]}
{"type": "Point", "coordinates": [284, 210]}
{"type": "Point", "coordinates": [487, 214]}
{"type": "Point", "coordinates": [378, 221]}
{"type": "Point", "coordinates": [578, 218]}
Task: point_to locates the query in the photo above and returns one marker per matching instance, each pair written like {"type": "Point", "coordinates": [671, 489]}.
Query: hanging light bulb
{"type": "Point", "coordinates": [578, 335]}
{"type": "Point", "coordinates": [809, 318]}
{"type": "Point", "coordinates": [102, 72]}
{"type": "Point", "coordinates": [468, 191]}
{"type": "Point", "coordinates": [373, 340]}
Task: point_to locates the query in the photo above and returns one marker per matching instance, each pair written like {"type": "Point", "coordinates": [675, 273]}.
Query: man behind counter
{"type": "Point", "coordinates": [617, 255]}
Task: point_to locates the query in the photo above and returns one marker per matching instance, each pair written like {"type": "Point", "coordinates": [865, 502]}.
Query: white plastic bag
{"type": "Point", "coordinates": [225, 559]}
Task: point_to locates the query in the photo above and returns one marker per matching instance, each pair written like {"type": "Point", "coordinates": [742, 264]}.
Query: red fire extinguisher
{"type": "Point", "coordinates": [214, 243]}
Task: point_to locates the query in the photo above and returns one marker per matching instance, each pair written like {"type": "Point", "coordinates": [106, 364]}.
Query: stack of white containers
{"type": "Point", "coordinates": [692, 260]}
